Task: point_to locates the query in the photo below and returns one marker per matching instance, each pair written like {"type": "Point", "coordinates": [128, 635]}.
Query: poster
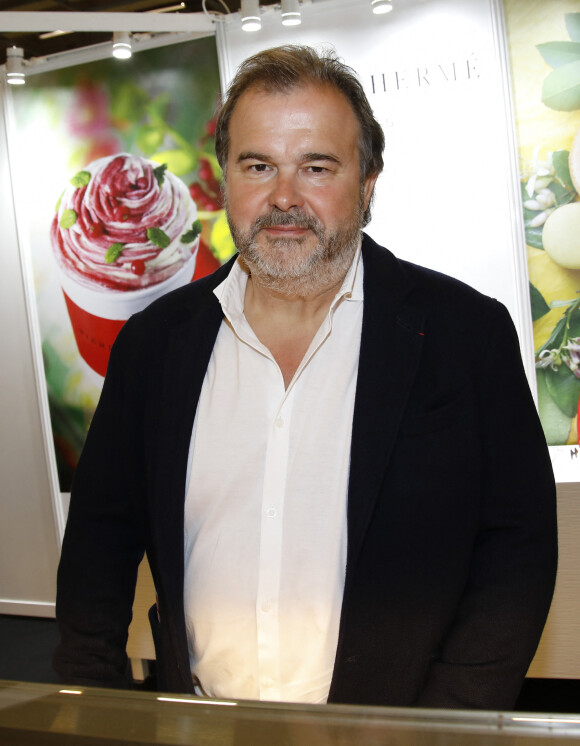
{"type": "Point", "coordinates": [117, 196]}
{"type": "Point", "coordinates": [544, 46]}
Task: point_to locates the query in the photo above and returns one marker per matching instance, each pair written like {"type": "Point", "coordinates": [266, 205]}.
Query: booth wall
{"type": "Point", "coordinates": [29, 546]}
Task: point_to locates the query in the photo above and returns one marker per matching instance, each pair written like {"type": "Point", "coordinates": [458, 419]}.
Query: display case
{"type": "Point", "coordinates": [49, 714]}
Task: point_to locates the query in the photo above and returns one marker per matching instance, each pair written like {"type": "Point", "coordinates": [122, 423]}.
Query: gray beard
{"type": "Point", "coordinates": [282, 268]}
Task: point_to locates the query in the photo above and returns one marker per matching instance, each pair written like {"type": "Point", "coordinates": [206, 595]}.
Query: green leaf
{"type": "Point", "coordinates": [59, 201]}
{"type": "Point", "coordinates": [561, 89]}
{"type": "Point", "coordinates": [149, 138]}
{"type": "Point", "coordinates": [158, 107]}
{"type": "Point", "coordinates": [190, 235]}
{"type": "Point", "coordinates": [68, 218]}
{"type": "Point", "coordinates": [564, 388]}
{"type": "Point", "coordinates": [563, 194]}
{"type": "Point", "coordinates": [573, 316]}
{"type": "Point", "coordinates": [555, 339]}
{"type": "Point", "coordinates": [81, 179]}
{"type": "Point", "coordinates": [562, 303]}
{"type": "Point", "coordinates": [158, 237]}
{"type": "Point", "coordinates": [562, 167]}
{"type": "Point", "coordinates": [572, 21]}
{"type": "Point", "coordinates": [558, 53]}
{"type": "Point", "coordinates": [160, 173]}
{"type": "Point", "coordinates": [534, 237]}
{"type": "Point", "coordinates": [554, 422]}
{"type": "Point", "coordinates": [128, 101]}
{"type": "Point", "coordinates": [539, 306]}
{"type": "Point", "coordinates": [113, 252]}
{"type": "Point", "coordinates": [179, 162]}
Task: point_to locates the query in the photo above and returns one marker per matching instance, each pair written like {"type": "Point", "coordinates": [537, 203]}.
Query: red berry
{"type": "Point", "coordinates": [210, 126]}
{"type": "Point", "coordinates": [96, 230]}
{"type": "Point", "coordinates": [205, 170]}
{"type": "Point", "coordinates": [196, 191]}
{"type": "Point", "coordinates": [121, 213]}
{"type": "Point", "coordinates": [205, 263]}
{"type": "Point", "coordinates": [138, 267]}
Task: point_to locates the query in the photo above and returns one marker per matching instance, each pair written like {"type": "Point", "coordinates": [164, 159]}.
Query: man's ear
{"type": "Point", "coordinates": [368, 189]}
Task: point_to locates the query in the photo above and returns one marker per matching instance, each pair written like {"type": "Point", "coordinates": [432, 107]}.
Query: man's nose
{"type": "Point", "coordinates": [285, 193]}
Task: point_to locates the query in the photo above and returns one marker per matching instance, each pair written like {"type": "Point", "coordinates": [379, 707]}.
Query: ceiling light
{"type": "Point", "coordinates": [381, 6]}
{"type": "Point", "coordinates": [15, 66]}
{"type": "Point", "coordinates": [291, 15]}
{"type": "Point", "coordinates": [53, 34]}
{"type": "Point", "coordinates": [251, 20]}
{"type": "Point", "coordinates": [122, 45]}
{"type": "Point", "coordinates": [167, 9]}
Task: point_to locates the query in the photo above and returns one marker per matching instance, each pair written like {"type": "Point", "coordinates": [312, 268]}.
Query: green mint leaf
{"type": "Point", "coordinates": [160, 173]}
{"type": "Point", "coordinates": [81, 179]}
{"type": "Point", "coordinates": [190, 235]}
{"type": "Point", "coordinates": [114, 252]}
{"type": "Point", "coordinates": [158, 237]}
{"type": "Point", "coordinates": [68, 218]}
{"type": "Point", "coordinates": [539, 306]}
{"type": "Point", "coordinates": [58, 201]}
{"type": "Point", "coordinates": [572, 21]}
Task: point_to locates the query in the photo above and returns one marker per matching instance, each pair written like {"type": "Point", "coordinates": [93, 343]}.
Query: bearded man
{"type": "Point", "coordinates": [317, 447]}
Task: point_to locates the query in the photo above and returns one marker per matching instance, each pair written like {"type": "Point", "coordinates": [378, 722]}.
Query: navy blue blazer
{"type": "Point", "coordinates": [452, 552]}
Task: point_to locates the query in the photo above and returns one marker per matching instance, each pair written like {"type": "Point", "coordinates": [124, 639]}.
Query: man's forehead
{"type": "Point", "coordinates": [258, 99]}
{"type": "Point", "coordinates": [268, 91]}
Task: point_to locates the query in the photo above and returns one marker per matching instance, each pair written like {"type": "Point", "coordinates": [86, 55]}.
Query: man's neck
{"type": "Point", "coordinates": [286, 324]}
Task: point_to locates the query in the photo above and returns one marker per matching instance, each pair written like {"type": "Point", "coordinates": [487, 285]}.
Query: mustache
{"type": "Point", "coordinates": [295, 217]}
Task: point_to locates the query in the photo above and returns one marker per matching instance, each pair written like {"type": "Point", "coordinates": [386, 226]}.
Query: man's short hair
{"type": "Point", "coordinates": [282, 68]}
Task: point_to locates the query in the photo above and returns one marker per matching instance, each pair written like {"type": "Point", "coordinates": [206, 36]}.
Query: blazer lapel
{"type": "Point", "coordinates": [392, 338]}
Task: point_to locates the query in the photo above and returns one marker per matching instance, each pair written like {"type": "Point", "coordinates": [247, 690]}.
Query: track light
{"type": "Point", "coordinates": [15, 66]}
{"type": "Point", "coordinates": [381, 6]}
{"type": "Point", "coordinates": [251, 20]}
{"type": "Point", "coordinates": [122, 45]}
{"type": "Point", "coordinates": [291, 15]}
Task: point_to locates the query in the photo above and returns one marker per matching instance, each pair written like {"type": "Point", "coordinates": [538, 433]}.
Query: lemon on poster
{"type": "Point", "coordinates": [222, 243]}
{"type": "Point", "coordinates": [555, 283]}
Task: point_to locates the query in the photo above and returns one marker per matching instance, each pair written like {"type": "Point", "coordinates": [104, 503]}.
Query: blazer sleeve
{"type": "Point", "coordinates": [501, 615]}
{"type": "Point", "coordinates": [103, 542]}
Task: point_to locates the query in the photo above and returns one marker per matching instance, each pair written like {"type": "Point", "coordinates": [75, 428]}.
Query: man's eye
{"type": "Point", "coordinates": [316, 169]}
{"type": "Point", "coordinates": [259, 167]}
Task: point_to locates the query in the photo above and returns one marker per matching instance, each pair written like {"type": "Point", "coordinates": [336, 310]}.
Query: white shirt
{"type": "Point", "coordinates": [265, 510]}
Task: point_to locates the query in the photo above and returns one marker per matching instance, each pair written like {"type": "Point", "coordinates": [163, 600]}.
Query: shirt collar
{"type": "Point", "coordinates": [232, 290]}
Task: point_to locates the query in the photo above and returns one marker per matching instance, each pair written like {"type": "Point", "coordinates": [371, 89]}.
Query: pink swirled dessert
{"type": "Point", "coordinates": [124, 223]}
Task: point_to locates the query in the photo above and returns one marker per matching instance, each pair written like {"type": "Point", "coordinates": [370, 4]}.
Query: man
{"type": "Point", "coordinates": [330, 456]}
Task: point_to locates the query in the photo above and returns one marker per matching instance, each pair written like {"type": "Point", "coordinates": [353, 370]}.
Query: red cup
{"type": "Point", "coordinates": [97, 314]}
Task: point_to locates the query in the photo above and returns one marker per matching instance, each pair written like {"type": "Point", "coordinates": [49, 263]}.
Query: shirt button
{"type": "Point", "coordinates": [267, 683]}
{"type": "Point", "coordinates": [266, 606]}
{"type": "Point", "coordinates": [279, 422]}
{"type": "Point", "coordinates": [271, 512]}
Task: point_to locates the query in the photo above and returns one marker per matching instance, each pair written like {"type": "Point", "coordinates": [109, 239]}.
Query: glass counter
{"type": "Point", "coordinates": [49, 714]}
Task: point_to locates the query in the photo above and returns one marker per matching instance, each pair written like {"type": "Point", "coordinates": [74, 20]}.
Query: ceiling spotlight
{"type": "Point", "coordinates": [122, 45]}
{"type": "Point", "coordinates": [251, 20]}
{"type": "Point", "coordinates": [291, 15]}
{"type": "Point", "coordinates": [381, 6]}
{"type": "Point", "coordinates": [15, 66]}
